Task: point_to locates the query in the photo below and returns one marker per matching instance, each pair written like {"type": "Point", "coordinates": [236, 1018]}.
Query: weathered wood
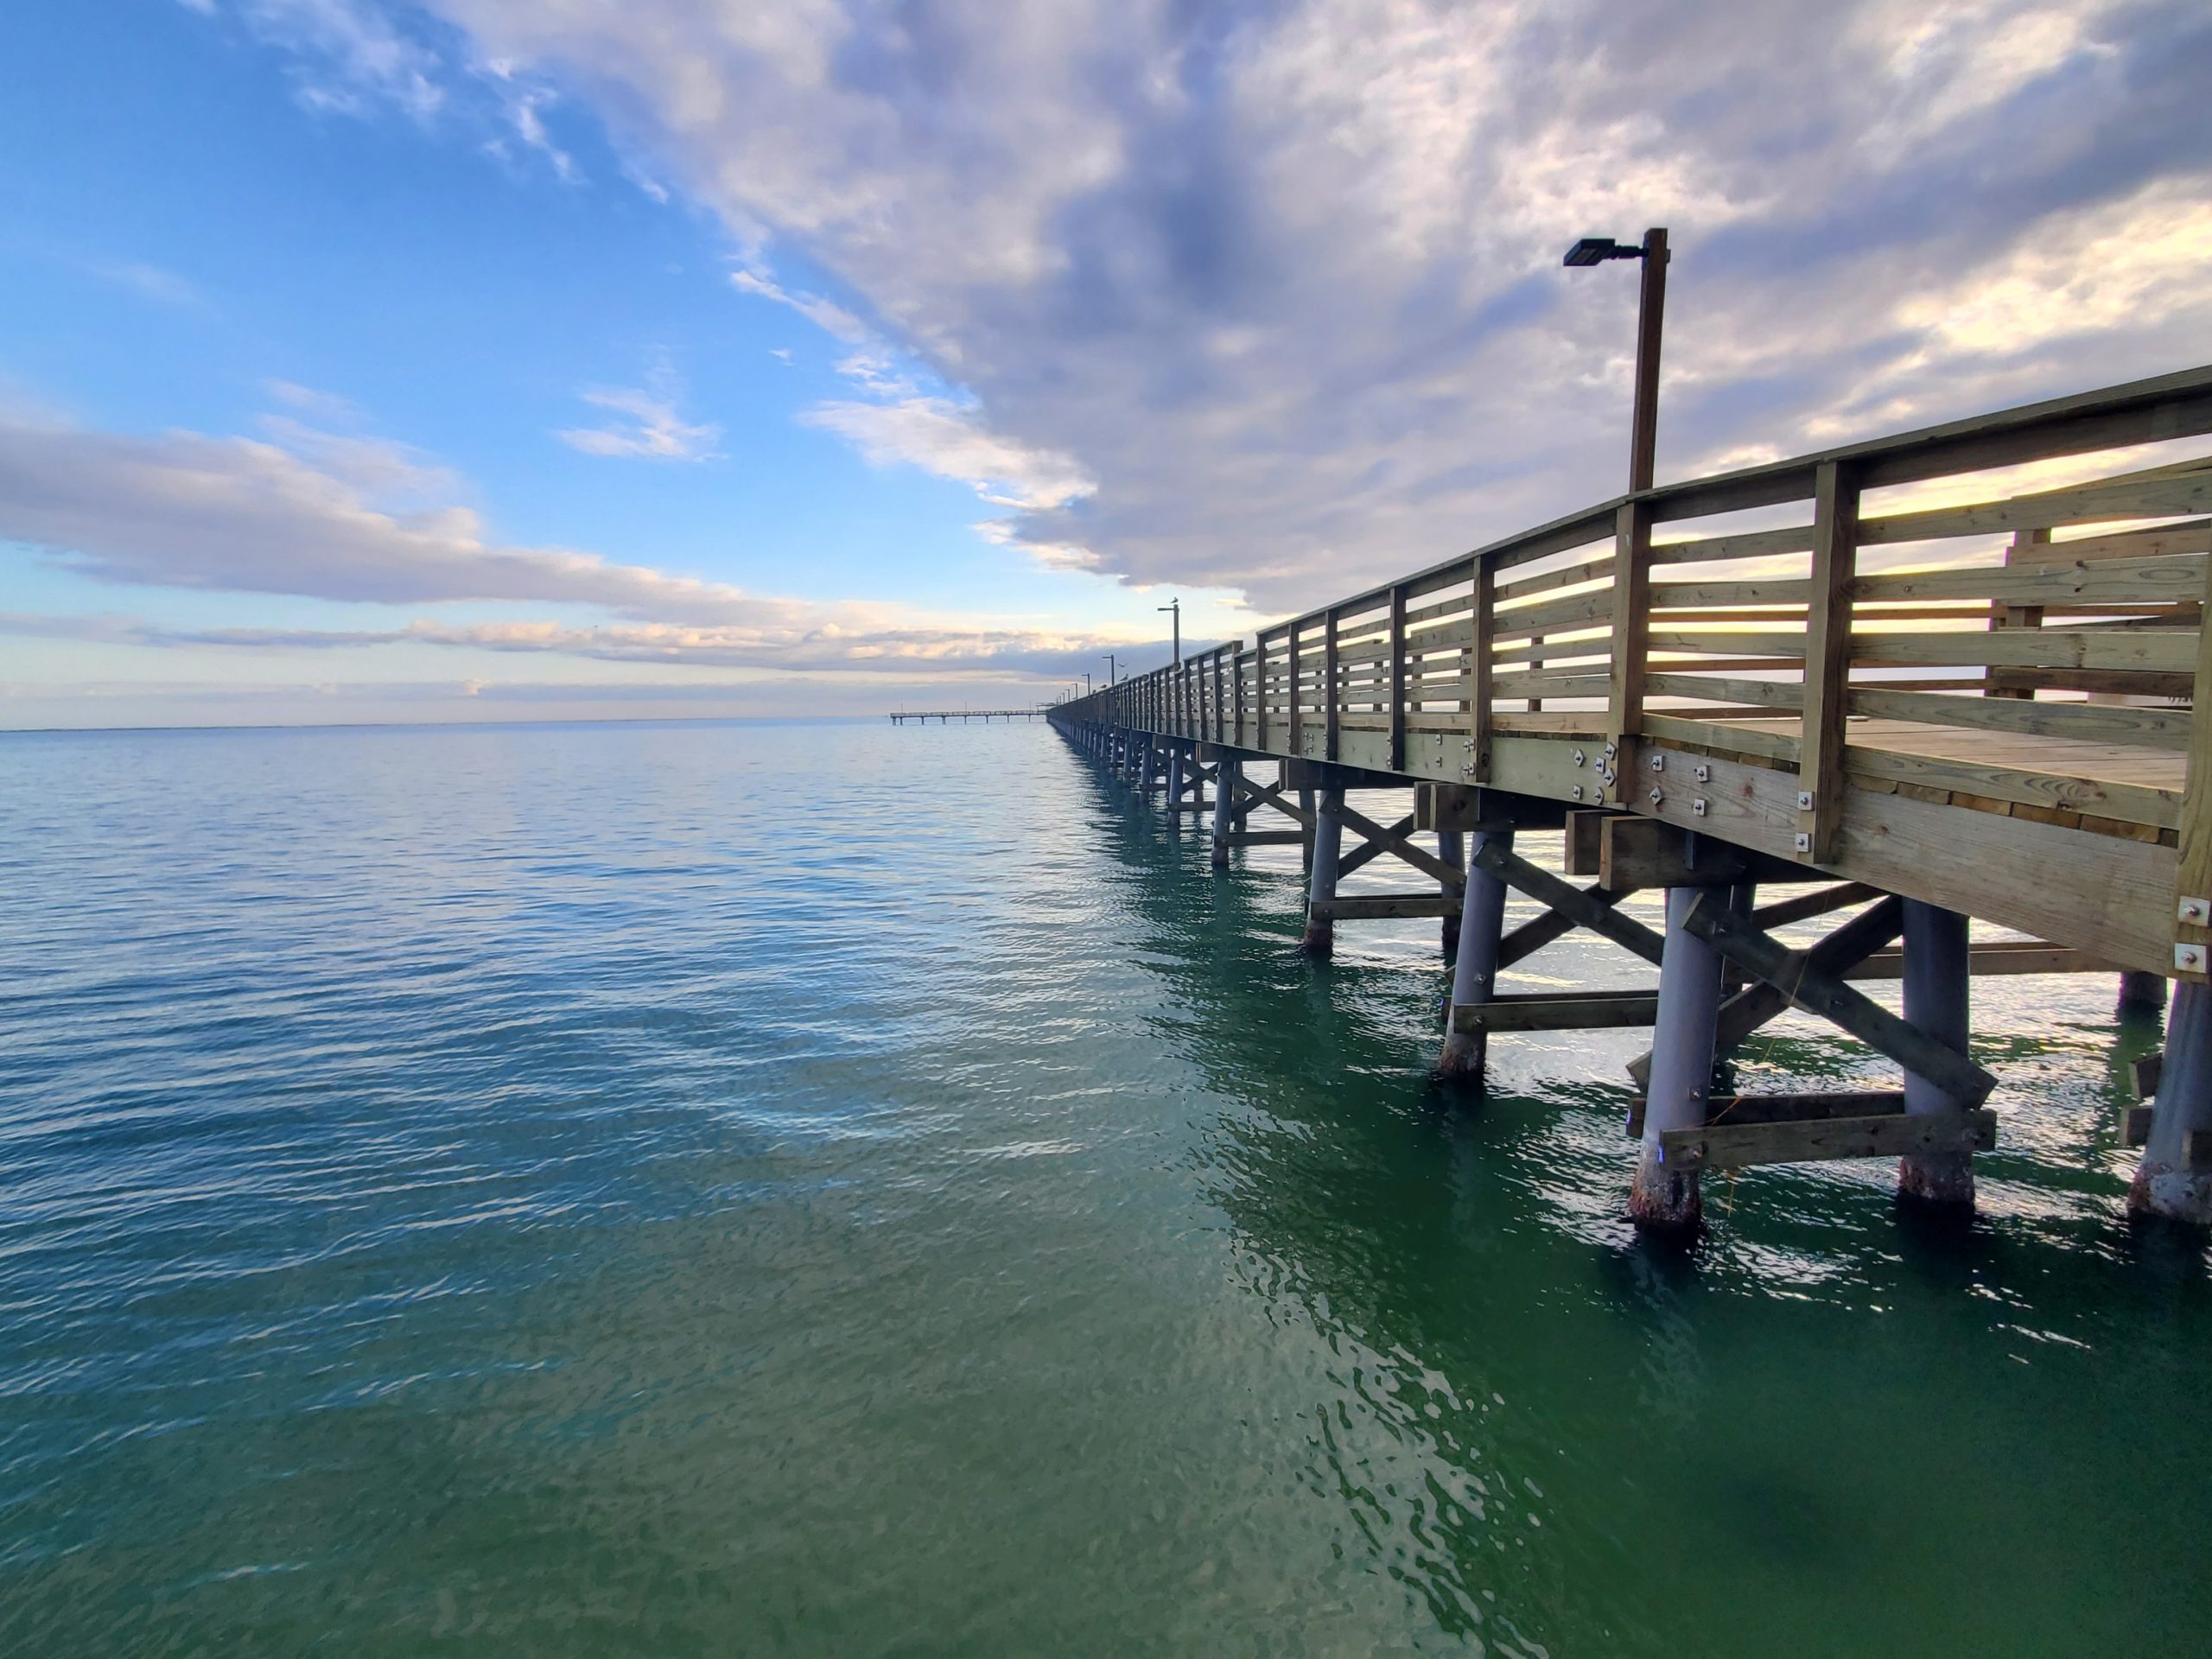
{"type": "Point", "coordinates": [1374, 849]}
{"type": "Point", "coordinates": [1396, 689]}
{"type": "Point", "coordinates": [1581, 846]}
{"type": "Point", "coordinates": [1792, 973]}
{"type": "Point", "coordinates": [1636, 852]}
{"type": "Point", "coordinates": [1386, 906]}
{"type": "Point", "coordinates": [1806, 906]}
{"type": "Point", "coordinates": [2135, 1125]}
{"type": "Point", "coordinates": [1585, 910]}
{"type": "Point", "coordinates": [1557, 1011]}
{"type": "Point", "coordinates": [1394, 842]}
{"type": "Point", "coordinates": [2145, 1072]}
{"type": "Point", "coordinates": [1267, 838]}
{"type": "Point", "coordinates": [1886, 1136]}
{"type": "Point", "coordinates": [2192, 913]}
{"type": "Point", "coordinates": [1827, 659]}
{"type": "Point", "coordinates": [1538, 931]}
{"type": "Point", "coordinates": [1632, 620]}
{"type": "Point", "coordinates": [2156, 729]}
{"type": "Point", "coordinates": [1788, 1109]}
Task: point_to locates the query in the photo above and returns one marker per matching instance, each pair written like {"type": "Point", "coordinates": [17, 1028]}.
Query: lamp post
{"type": "Point", "coordinates": [1086, 683]}
{"type": "Point", "coordinates": [1643, 427]}
{"type": "Point", "coordinates": [1176, 606]}
{"type": "Point", "coordinates": [1110, 667]}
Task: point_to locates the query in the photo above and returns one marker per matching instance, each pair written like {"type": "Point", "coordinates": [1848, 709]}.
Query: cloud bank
{"type": "Point", "coordinates": [1279, 282]}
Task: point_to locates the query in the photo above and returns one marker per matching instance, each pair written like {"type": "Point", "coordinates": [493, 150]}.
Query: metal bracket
{"type": "Point", "coordinates": [1804, 800]}
{"type": "Point", "coordinates": [2188, 958]}
{"type": "Point", "coordinates": [2195, 911]}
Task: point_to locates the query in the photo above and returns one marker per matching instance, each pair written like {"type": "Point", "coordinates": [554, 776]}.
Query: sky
{"type": "Point", "coordinates": [486, 359]}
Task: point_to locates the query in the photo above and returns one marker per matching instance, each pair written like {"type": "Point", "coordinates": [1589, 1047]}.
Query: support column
{"type": "Point", "coordinates": [1935, 981]}
{"type": "Point", "coordinates": [2141, 995]}
{"type": "Point", "coordinates": [2165, 1184]}
{"type": "Point", "coordinates": [1451, 851]}
{"type": "Point", "coordinates": [1320, 938]}
{"type": "Point", "coordinates": [1226, 771]}
{"type": "Point", "coordinates": [1678, 1098]}
{"type": "Point", "coordinates": [1175, 775]}
{"type": "Point", "coordinates": [1305, 847]}
{"type": "Point", "coordinates": [1474, 964]}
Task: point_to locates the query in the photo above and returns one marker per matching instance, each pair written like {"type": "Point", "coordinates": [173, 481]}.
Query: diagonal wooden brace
{"type": "Point", "coordinates": [1394, 842]}
{"type": "Point", "coordinates": [1538, 931]}
{"type": "Point", "coordinates": [1372, 849]}
{"type": "Point", "coordinates": [1583, 909]}
{"type": "Point", "coordinates": [1818, 991]}
{"type": "Point", "coordinates": [1758, 1001]}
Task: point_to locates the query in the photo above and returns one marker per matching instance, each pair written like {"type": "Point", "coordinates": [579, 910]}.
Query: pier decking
{"type": "Point", "coordinates": [946, 717]}
{"type": "Point", "coordinates": [1945, 675]}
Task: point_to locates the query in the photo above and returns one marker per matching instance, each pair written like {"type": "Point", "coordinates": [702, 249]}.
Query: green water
{"type": "Point", "coordinates": [737, 1190]}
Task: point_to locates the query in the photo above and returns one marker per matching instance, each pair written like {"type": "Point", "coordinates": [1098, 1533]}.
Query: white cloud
{"type": "Point", "coordinates": [655, 429]}
{"type": "Point", "coordinates": [941, 437]}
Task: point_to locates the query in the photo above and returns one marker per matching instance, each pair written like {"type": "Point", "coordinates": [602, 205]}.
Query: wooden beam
{"type": "Point", "coordinates": [1748, 1009]}
{"type": "Point", "coordinates": [1582, 908]}
{"type": "Point", "coordinates": [1396, 688]}
{"type": "Point", "coordinates": [1557, 1011]}
{"type": "Point", "coordinates": [1581, 850]}
{"type": "Point", "coordinates": [1383, 906]}
{"type": "Point", "coordinates": [1372, 849]}
{"type": "Point", "coordinates": [1267, 838]}
{"type": "Point", "coordinates": [1631, 622]}
{"type": "Point", "coordinates": [1806, 906]}
{"type": "Point", "coordinates": [1636, 852]}
{"type": "Point", "coordinates": [2192, 913]}
{"type": "Point", "coordinates": [1788, 1109]}
{"type": "Point", "coordinates": [1792, 973]}
{"type": "Point", "coordinates": [1331, 716]}
{"type": "Point", "coordinates": [1480, 692]}
{"type": "Point", "coordinates": [1886, 1135]}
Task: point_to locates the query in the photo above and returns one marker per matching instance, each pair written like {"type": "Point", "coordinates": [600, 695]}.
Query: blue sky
{"type": "Point", "coordinates": [489, 358]}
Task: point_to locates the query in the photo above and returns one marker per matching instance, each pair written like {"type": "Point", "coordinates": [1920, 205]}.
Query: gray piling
{"type": "Point", "coordinates": [1225, 773]}
{"type": "Point", "coordinates": [1474, 964]}
{"type": "Point", "coordinates": [1935, 1002]}
{"type": "Point", "coordinates": [1305, 847]}
{"type": "Point", "coordinates": [2166, 1186]}
{"type": "Point", "coordinates": [1679, 1094]}
{"type": "Point", "coordinates": [1175, 775]}
{"type": "Point", "coordinates": [2141, 995]}
{"type": "Point", "coordinates": [1452, 852]}
{"type": "Point", "coordinates": [1320, 938]}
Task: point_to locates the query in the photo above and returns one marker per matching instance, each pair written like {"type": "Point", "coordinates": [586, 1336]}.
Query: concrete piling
{"type": "Point", "coordinates": [2166, 1185]}
{"type": "Point", "coordinates": [1452, 852]}
{"type": "Point", "coordinates": [2141, 995]}
{"type": "Point", "coordinates": [1474, 963]}
{"type": "Point", "coordinates": [1225, 774]}
{"type": "Point", "coordinates": [1935, 1002]}
{"type": "Point", "coordinates": [1320, 940]}
{"type": "Point", "coordinates": [1679, 1097]}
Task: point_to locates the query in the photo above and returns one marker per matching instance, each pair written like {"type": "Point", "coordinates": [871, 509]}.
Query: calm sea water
{"type": "Point", "coordinates": [752, 1189]}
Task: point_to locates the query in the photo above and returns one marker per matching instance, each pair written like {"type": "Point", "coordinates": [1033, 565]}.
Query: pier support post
{"type": "Point", "coordinates": [2141, 995]}
{"type": "Point", "coordinates": [1320, 938]}
{"type": "Point", "coordinates": [1451, 851]}
{"type": "Point", "coordinates": [1175, 775]}
{"type": "Point", "coordinates": [1474, 963]}
{"type": "Point", "coordinates": [1226, 774]}
{"type": "Point", "coordinates": [1305, 847]}
{"type": "Point", "coordinates": [2165, 1184]}
{"type": "Point", "coordinates": [1935, 1002]}
{"type": "Point", "coordinates": [1687, 1023]}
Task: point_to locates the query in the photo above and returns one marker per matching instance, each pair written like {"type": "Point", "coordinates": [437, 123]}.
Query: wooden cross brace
{"type": "Point", "coordinates": [1817, 990]}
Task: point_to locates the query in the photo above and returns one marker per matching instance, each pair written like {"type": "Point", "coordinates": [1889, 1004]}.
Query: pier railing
{"type": "Point", "coordinates": [2000, 613]}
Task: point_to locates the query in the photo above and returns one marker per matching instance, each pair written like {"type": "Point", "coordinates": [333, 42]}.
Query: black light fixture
{"type": "Point", "coordinates": [1596, 249]}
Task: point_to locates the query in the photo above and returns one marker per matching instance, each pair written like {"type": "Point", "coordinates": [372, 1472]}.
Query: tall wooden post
{"type": "Point", "coordinates": [1935, 1002]}
{"type": "Point", "coordinates": [1320, 938]}
{"type": "Point", "coordinates": [1474, 964]}
{"type": "Point", "coordinates": [1828, 661]}
{"type": "Point", "coordinates": [1686, 1027]}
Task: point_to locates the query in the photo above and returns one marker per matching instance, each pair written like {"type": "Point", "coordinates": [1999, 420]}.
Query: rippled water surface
{"type": "Point", "coordinates": [750, 1189]}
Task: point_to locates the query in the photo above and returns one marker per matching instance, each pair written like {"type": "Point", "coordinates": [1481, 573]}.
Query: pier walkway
{"type": "Point", "coordinates": [1937, 676]}
{"type": "Point", "coordinates": [946, 717]}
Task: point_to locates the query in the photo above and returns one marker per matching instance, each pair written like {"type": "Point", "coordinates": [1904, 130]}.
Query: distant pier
{"type": "Point", "coordinates": [1870, 675]}
{"type": "Point", "coordinates": [945, 716]}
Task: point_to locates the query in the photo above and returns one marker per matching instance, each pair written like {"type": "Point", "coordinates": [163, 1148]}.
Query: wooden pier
{"type": "Point", "coordinates": [1942, 676]}
{"type": "Point", "coordinates": [946, 717]}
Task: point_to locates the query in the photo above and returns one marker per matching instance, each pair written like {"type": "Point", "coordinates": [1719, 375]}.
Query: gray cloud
{"type": "Point", "coordinates": [1280, 280]}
